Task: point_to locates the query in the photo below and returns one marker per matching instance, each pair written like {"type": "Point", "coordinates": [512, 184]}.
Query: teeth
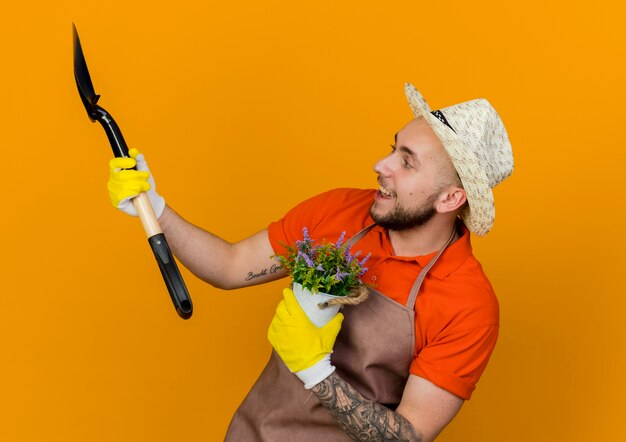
{"type": "Point", "coordinates": [384, 191]}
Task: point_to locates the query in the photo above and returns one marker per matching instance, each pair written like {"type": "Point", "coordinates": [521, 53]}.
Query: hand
{"type": "Point", "coordinates": [304, 348]}
{"type": "Point", "coordinates": [126, 183]}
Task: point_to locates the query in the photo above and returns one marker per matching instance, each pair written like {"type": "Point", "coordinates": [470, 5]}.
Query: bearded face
{"type": "Point", "coordinates": [417, 180]}
{"type": "Point", "coordinates": [404, 218]}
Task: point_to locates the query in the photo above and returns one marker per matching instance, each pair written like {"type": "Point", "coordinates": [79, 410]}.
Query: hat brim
{"type": "Point", "coordinates": [479, 214]}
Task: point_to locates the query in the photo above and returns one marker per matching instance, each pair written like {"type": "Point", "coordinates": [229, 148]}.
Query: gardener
{"type": "Point", "coordinates": [405, 360]}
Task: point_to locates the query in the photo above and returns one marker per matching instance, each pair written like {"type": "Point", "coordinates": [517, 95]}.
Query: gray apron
{"type": "Point", "coordinates": [373, 353]}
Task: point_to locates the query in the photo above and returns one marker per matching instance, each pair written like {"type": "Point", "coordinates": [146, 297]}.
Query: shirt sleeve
{"type": "Point", "coordinates": [289, 228]}
{"type": "Point", "coordinates": [323, 215]}
{"type": "Point", "coordinates": [456, 360]}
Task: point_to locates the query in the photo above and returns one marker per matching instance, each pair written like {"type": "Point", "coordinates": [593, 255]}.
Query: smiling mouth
{"type": "Point", "coordinates": [386, 193]}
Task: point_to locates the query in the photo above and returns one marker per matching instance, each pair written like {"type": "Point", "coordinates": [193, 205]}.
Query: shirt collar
{"type": "Point", "coordinates": [450, 260]}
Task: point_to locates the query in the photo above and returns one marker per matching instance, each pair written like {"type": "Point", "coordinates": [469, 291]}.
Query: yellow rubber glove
{"type": "Point", "coordinates": [304, 348]}
{"type": "Point", "coordinates": [126, 183]}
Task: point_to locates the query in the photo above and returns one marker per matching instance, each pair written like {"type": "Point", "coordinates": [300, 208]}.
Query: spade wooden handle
{"type": "Point", "coordinates": [146, 214]}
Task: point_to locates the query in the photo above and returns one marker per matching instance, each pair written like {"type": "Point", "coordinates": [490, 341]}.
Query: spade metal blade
{"type": "Point", "coordinates": [83, 79]}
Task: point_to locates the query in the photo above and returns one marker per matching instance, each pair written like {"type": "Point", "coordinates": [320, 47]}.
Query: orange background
{"type": "Point", "coordinates": [245, 108]}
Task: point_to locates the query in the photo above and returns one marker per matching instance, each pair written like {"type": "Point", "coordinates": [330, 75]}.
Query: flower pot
{"type": "Point", "coordinates": [309, 303]}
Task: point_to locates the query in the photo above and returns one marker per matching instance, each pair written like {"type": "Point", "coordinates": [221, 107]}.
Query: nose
{"type": "Point", "coordinates": [383, 166]}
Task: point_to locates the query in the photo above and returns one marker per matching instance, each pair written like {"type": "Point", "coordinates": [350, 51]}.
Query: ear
{"type": "Point", "coordinates": [451, 199]}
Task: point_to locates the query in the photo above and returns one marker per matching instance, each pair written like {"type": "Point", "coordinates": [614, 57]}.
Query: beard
{"type": "Point", "coordinates": [401, 218]}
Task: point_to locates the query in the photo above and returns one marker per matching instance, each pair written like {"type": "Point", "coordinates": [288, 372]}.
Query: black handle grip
{"type": "Point", "coordinates": [171, 276]}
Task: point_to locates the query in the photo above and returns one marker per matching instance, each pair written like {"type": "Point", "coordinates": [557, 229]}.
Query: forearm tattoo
{"type": "Point", "coordinates": [264, 272]}
{"type": "Point", "coordinates": [360, 418]}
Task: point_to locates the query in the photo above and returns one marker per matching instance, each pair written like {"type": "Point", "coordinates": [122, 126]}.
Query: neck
{"type": "Point", "coordinates": [422, 240]}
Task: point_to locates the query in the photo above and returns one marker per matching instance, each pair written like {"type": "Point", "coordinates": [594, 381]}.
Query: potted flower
{"type": "Point", "coordinates": [325, 276]}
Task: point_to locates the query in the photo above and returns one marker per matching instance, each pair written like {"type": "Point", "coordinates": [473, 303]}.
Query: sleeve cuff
{"type": "Point", "coordinates": [316, 373]}
{"type": "Point", "coordinates": [442, 379]}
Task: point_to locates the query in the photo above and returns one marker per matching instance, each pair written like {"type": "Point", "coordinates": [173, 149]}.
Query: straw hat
{"type": "Point", "coordinates": [476, 140]}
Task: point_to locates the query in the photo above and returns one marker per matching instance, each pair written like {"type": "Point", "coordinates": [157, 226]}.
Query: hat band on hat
{"type": "Point", "coordinates": [442, 118]}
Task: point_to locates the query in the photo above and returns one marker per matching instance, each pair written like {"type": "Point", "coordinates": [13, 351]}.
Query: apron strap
{"type": "Point", "coordinates": [420, 278]}
{"type": "Point", "coordinates": [359, 235]}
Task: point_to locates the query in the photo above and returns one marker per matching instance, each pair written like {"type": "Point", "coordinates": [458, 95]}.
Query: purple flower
{"type": "Point", "coordinates": [340, 240]}
{"type": "Point", "coordinates": [362, 263]}
{"type": "Point", "coordinates": [313, 262]}
{"type": "Point", "coordinates": [340, 275]}
{"type": "Point", "coordinates": [348, 256]}
{"type": "Point", "coordinates": [306, 258]}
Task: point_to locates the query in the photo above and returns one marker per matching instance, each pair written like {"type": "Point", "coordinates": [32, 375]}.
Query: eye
{"type": "Point", "coordinates": [406, 164]}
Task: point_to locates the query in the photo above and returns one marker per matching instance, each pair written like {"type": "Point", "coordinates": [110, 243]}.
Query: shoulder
{"type": "Point", "coordinates": [325, 215]}
{"type": "Point", "coordinates": [333, 206]}
{"type": "Point", "coordinates": [464, 299]}
{"type": "Point", "coordinates": [477, 303]}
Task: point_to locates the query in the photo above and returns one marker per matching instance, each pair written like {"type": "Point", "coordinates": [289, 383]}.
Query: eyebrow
{"type": "Point", "coordinates": [405, 149]}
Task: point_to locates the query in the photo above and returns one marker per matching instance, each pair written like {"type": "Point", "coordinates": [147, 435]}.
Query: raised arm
{"type": "Point", "coordinates": [220, 263]}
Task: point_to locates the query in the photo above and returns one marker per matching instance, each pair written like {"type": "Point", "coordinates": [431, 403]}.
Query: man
{"type": "Point", "coordinates": [404, 361]}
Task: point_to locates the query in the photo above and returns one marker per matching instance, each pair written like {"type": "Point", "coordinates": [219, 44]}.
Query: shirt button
{"type": "Point", "coordinates": [374, 278]}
